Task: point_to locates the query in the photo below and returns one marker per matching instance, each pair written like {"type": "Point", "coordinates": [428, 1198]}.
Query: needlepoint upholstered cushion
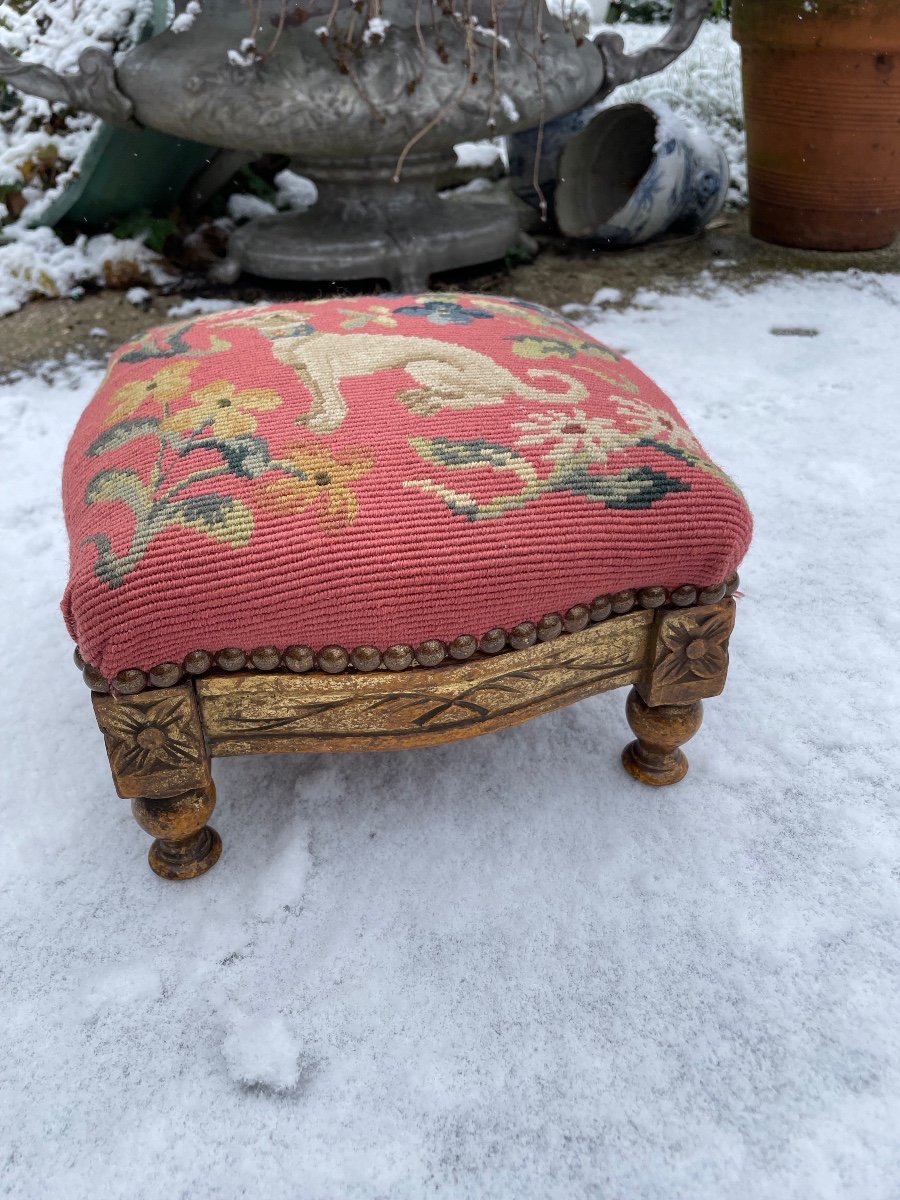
{"type": "Point", "coordinates": [375, 481]}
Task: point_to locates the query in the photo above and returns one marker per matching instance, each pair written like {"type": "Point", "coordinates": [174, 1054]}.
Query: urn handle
{"type": "Point", "coordinates": [93, 87]}
{"type": "Point", "coordinates": [687, 17]}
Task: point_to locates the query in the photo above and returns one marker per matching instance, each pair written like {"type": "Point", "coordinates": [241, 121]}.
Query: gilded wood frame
{"type": "Point", "coordinates": [160, 742]}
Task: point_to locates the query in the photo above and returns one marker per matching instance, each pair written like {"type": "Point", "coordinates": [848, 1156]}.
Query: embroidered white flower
{"type": "Point", "coordinates": [572, 435]}
{"type": "Point", "coordinates": [648, 421]}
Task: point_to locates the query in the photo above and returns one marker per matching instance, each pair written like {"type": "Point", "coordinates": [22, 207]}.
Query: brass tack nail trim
{"type": "Point", "coordinates": [232, 658]}
{"type": "Point", "coordinates": [576, 618]}
{"type": "Point", "coordinates": [601, 608]}
{"type": "Point", "coordinates": [94, 679]}
{"type": "Point", "coordinates": [431, 653]}
{"type": "Point", "coordinates": [198, 662]}
{"type": "Point", "coordinates": [265, 658]}
{"type": "Point", "coordinates": [463, 647]}
{"type": "Point", "coordinates": [523, 636]}
{"type": "Point", "coordinates": [333, 659]}
{"type": "Point", "coordinates": [684, 596]}
{"type": "Point", "coordinates": [623, 602]}
{"type": "Point", "coordinates": [398, 658]}
{"type": "Point", "coordinates": [366, 658]}
{"type": "Point", "coordinates": [129, 682]}
{"type": "Point", "coordinates": [549, 627]}
{"type": "Point", "coordinates": [712, 595]}
{"type": "Point", "coordinates": [653, 597]}
{"type": "Point", "coordinates": [493, 641]}
{"type": "Point", "coordinates": [165, 674]}
{"type": "Point", "coordinates": [299, 659]}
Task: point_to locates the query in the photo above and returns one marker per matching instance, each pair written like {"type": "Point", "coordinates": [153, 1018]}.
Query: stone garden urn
{"type": "Point", "coordinates": [368, 100]}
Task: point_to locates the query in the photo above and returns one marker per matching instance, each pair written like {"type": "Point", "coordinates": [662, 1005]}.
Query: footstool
{"type": "Point", "coordinates": [384, 522]}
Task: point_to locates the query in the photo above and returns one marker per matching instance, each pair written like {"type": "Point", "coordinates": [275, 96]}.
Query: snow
{"type": "Point", "coordinates": [139, 297]}
{"type": "Point", "coordinates": [242, 206]}
{"type": "Point", "coordinates": [262, 1051]}
{"type": "Point", "coordinates": [185, 20]}
{"type": "Point", "coordinates": [35, 262]}
{"type": "Point", "coordinates": [481, 155]}
{"type": "Point", "coordinates": [604, 296]}
{"type": "Point", "coordinates": [499, 968]}
{"type": "Point", "coordinates": [376, 29]}
{"type": "Point", "coordinates": [294, 191]}
{"type": "Point", "coordinates": [200, 305]}
{"type": "Point", "coordinates": [38, 263]}
{"type": "Point", "coordinates": [702, 87]}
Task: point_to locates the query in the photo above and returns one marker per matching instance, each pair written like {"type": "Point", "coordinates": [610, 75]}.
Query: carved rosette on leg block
{"type": "Point", "coordinates": [687, 662]}
{"type": "Point", "coordinates": [160, 762]}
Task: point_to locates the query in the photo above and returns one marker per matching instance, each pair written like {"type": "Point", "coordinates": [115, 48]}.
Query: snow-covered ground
{"type": "Point", "coordinates": [498, 969]}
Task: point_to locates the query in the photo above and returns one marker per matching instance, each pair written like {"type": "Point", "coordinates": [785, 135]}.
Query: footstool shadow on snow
{"type": "Point", "coordinates": [380, 523]}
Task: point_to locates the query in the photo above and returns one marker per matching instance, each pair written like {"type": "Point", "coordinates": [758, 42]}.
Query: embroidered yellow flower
{"type": "Point", "coordinates": [167, 384]}
{"type": "Point", "coordinates": [320, 480]}
{"type": "Point", "coordinates": [222, 406]}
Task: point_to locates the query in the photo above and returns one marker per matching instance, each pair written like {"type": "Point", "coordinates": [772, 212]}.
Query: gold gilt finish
{"type": "Point", "coordinates": [688, 657]}
{"type": "Point", "coordinates": [259, 714]}
{"type": "Point", "coordinates": [159, 743]}
{"type": "Point", "coordinates": [154, 741]}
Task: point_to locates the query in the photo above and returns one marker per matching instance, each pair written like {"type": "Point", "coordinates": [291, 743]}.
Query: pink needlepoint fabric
{"type": "Point", "coordinates": [372, 471]}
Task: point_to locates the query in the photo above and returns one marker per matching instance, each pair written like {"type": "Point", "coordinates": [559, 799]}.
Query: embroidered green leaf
{"type": "Point", "coordinates": [471, 452]}
{"type": "Point", "coordinates": [633, 488]}
{"type": "Point", "coordinates": [112, 568]}
{"type": "Point", "coordinates": [247, 456]}
{"type": "Point", "coordinates": [120, 484]}
{"type": "Point", "coordinates": [528, 345]}
{"type": "Point", "coordinates": [173, 344]}
{"type": "Point", "coordinates": [476, 452]}
{"type": "Point", "coordinates": [221, 517]}
{"type": "Point", "coordinates": [121, 434]}
{"type": "Point", "coordinates": [693, 460]}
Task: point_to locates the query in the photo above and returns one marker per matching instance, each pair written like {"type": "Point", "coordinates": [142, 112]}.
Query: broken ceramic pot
{"type": "Point", "coordinates": [622, 175]}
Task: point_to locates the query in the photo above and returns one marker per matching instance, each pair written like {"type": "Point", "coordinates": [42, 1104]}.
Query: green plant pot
{"type": "Point", "coordinates": [125, 171]}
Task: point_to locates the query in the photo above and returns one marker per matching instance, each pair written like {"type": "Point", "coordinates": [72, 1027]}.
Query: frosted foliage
{"type": "Point", "coordinates": [497, 969]}
{"type": "Point", "coordinates": [55, 33]}
{"type": "Point", "coordinates": [38, 263]}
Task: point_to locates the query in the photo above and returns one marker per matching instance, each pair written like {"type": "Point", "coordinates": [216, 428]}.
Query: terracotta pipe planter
{"type": "Point", "coordinates": [822, 100]}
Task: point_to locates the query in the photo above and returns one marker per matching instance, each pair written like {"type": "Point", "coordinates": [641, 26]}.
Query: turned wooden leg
{"type": "Point", "coordinates": [185, 845]}
{"type": "Point", "coordinates": [655, 756]}
{"type": "Point", "coordinates": [159, 760]}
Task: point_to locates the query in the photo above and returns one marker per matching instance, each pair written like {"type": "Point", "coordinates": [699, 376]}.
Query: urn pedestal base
{"type": "Point", "coordinates": [365, 226]}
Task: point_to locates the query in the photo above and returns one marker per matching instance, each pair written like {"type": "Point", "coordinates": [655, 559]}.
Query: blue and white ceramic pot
{"type": "Point", "coordinates": [624, 174]}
